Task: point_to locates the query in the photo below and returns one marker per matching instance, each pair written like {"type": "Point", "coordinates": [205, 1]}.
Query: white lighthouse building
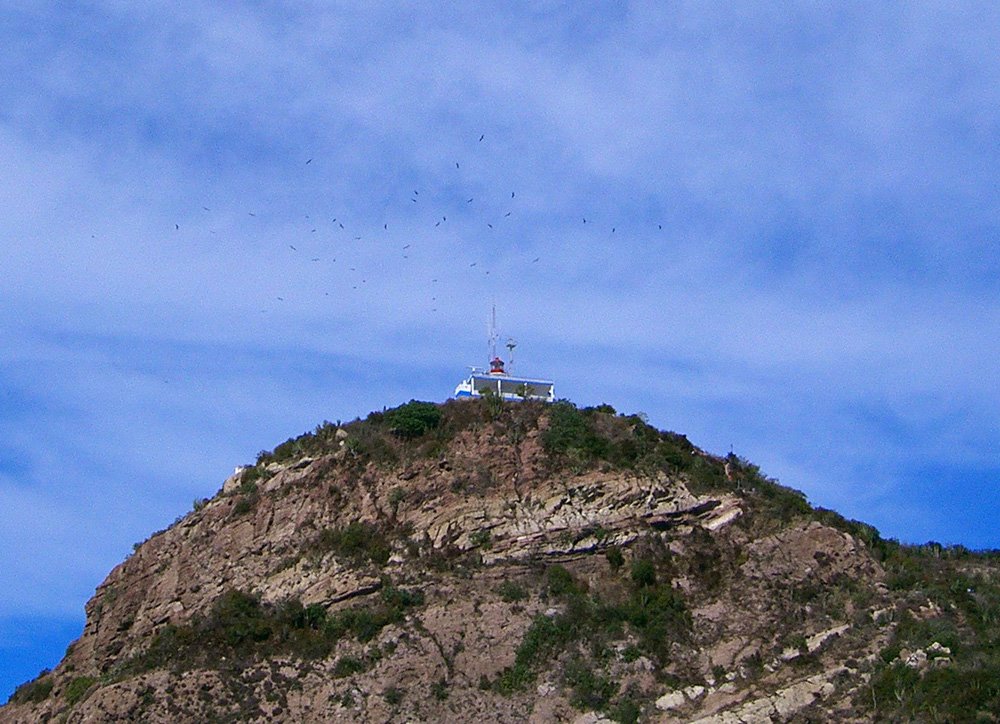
{"type": "Point", "coordinates": [500, 381]}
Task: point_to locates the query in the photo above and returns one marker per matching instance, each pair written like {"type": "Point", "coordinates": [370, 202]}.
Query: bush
{"type": "Point", "coordinates": [237, 617]}
{"type": "Point", "coordinates": [590, 690]}
{"type": "Point", "coordinates": [413, 419]}
{"type": "Point", "coordinates": [560, 581]}
{"type": "Point", "coordinates": [626, 710]}
{"type": "Point", "coordinates": [570, 434]}
{"type": "Point", "coordinates": [439, 689]}
{"type": "Point", "coordinates": [78, 688]}
{"type": "Point", "coordinates": [33, 692]}
{"type": "Point", "coordinates": [482, 539]}
{"type": "Point", "coordinates": [357, 541]}
{"type": "Point", "coordinates": [348, 666]}
{"type": "Point", "coordinates": [246, 503]}
{"type": "Point", "coordinates": [393, 695]}
{"type": "Point", "coordinates": [511, 592]}
{"type": "Point", "coordinates": [240, 625]}
{"type": "Point", "coordinates": [643, 572]}
{"type": "Point", "coordinates": [615, 558]}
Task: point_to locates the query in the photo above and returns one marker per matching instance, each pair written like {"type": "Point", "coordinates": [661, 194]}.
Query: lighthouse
{"type": "Point", "coordinates": [499, 381]}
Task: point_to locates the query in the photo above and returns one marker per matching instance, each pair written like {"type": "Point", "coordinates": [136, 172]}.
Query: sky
{"type": "Point", "coordinates": [772, 229]}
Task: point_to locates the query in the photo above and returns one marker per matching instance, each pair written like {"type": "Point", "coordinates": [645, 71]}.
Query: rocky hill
{"type": "Point", "coordinates": [523, 562]}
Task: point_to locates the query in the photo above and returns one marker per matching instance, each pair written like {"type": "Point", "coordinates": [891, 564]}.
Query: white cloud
{"type": "Point", "coordinates": [822, 295]}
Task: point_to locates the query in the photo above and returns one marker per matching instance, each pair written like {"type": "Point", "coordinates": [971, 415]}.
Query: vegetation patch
{"type": "Point", "coordinates": [357, 542]}
{"type": "Point", "coordinates": [33, 692]}
{"type": "Point", "coordinates": [653, 612]}
{"type": "Point", "coordinates": [78, 688]}
{"type": "Point", "coordinates": [240, 627]}
{"type": "Point", "coordinates": [964, 683]}
{"type": "Point", "coordinates": [511, 592]}
{"type": "Point", "coordinates": [413, 419]}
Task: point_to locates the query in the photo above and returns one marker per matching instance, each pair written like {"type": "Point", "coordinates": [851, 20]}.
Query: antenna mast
{"type": "Point", "coordinates": [511, 344]}
{"type": "Point", "coordinates": [493, 333]}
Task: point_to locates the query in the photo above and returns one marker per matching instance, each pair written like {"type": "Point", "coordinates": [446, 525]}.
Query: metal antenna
{"type": "Point", "coordinates": [511, 344]}
{"type": "Point", "coordinates": [493, 333]}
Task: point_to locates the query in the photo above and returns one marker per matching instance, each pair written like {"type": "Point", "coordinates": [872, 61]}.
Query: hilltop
{"type": "Point", "coordinates": [524, 562]}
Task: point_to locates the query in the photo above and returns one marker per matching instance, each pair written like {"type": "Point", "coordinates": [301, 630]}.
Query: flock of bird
{"type": "Point", "coordinates": [491, 215]}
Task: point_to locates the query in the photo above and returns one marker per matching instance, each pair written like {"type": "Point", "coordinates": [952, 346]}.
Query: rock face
{"type": "Point", "coordinates": [481, 569]}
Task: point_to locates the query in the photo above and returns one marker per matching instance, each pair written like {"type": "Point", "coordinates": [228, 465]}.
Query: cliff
{"type": "Point", "coordinates": [523, 562]}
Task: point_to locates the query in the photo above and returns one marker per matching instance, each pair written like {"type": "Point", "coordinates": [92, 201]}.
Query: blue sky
{"type": "Point", "coordinates": [225, 223]}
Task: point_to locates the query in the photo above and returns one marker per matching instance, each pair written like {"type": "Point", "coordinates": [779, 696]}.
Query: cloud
{"type": "Point", "coordinates": [789, 247]}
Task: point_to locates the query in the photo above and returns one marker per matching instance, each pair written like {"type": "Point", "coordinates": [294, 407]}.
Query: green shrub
{"type": "Point", "coordinates": [348, 666]}
{"type": "Point", "coordinates": [492, 404]}
{"type": "Point", "coordinates": [560, 582]}
{"type": "Point", "coordinates": [439, 689]}
{"type": "Point", "coordinates": [511, 592]}
{"type": "Point", "coordinates": [78, 688]}
{"type": "Point", "coordinates": [237, 617]}
{"type": "Point", "coordinates": [35, 691]}
{"type": "Point", "coordinates": [246, 503]}
{"type": "Point", "coordinates": [626, 709]}
{"type": "Point", "coordinates": [413, 419]}
{"type": "Point", "coordinates": [365, 623]}
{"type": "Point", "coordinates": [570, 433]}
{"type": "Point", "coordinates": [643, 572]}
{"type": "Point", "coordinates": [481, 539]}
{"type": "Point", "coordinates": [615, 558]}
{"type": "Point", "coordinates": [359, 542]}
{"type": "Point", "coordinates": [590, 690]}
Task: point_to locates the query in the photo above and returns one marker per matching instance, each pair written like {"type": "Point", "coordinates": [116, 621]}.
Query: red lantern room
{"type": "Point", "coordinates": [496, 366]}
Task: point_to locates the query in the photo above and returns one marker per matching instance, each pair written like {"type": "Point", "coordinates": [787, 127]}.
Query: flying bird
{"type": "Point", "coordinates": [535, 259]}
{"type": "Point", "coordinates": [469, 201]}
{"type": "Point", "coordinates": [292, 247]}
{"type": "Point", "coordinates": [472, 264]}
{"type": "Point", "coordinates": [206, 208]}
{"type": "Point", "coordinates": [456, 164]}
{"type": "Point", "coordinates": [251, 213]}
{"type": "Point", "coordinates": [407, 246]}
{"type": "Point", "coordinates": [315, 259]}
{"type": "Point", "coordinates": [490, 225]}
{"type": "Point", "coordinates": [309, 162]}
{"type": "Point", "coordinates": [507, 214]}
{"type": "Point", "coordinates": [176, 226]}
{"type": "Point", "coordinates": [385, 226]}
{"type": "Point", "coordinates": [482, 137]}
{"type": "Point", "coordinates": [512, 194]}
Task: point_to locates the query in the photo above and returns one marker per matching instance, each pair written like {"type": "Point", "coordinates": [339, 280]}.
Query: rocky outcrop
{"type": "Point", "coordinates": [471, 531]}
